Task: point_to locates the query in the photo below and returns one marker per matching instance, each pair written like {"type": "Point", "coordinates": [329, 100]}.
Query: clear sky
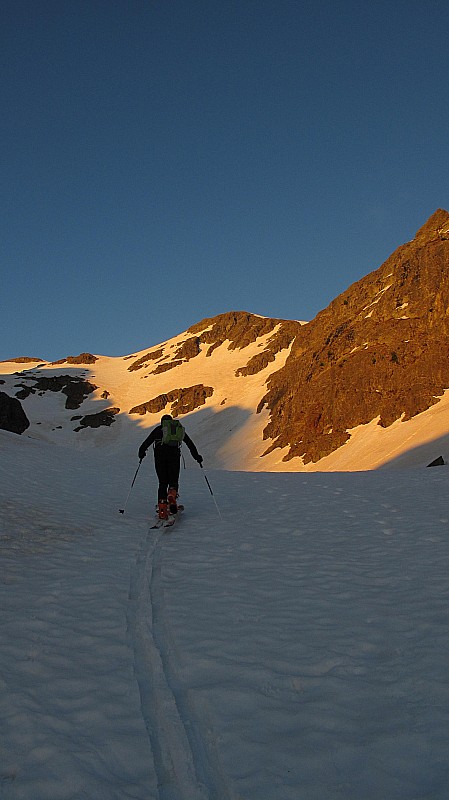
{"type": "Point", "coordinates": [168, 160]}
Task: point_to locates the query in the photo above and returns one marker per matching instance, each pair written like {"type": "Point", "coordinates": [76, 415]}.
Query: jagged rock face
{"type": "Point", "coordinates": [12, 415]}
{"type": "Point", "coordinates": [237, 328]}
{"type": "Point", "coordinates": [240, 329]}
{"type": "Point", "coordinates": [380, 349]}
{"type": "Point", "coordinates": [182, 401]}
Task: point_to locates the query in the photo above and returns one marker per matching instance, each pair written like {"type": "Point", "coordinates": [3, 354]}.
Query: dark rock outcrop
{"type": "Point", "coordinates": [238, 328]}
{"type": "Point", "coordinates": [191, 398]}
{"type": "Point", "coordinates": [280, 340]}
{"type": "Point", "coordinates": [105, 417]}
{"type": "Point", "coordinates": [166, 366]}
{"type": "Point", "coordinates": [12, 415]}
{"type": "Point", "coordinates": [83, 358]}
{"type": "Point", "coordinates": [257, 363]}
{"type": "Point", "coordinates": [143, 360]}
{"type": "Point", "coordinates": [380, 349]}
{"type": "Point", "coordinates": [438, 462]}
{"type": "Point", "coordinates": [188, 349]}
{"type": "Point", "coordinates": [23, 360]}
{"type": "Point", "coordinates": [76, 389]}
{"type": "Point", "coordinates": [182, 401]}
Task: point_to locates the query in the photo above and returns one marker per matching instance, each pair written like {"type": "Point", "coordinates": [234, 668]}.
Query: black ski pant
{"type": "Point", "coordinates": [167, 461]}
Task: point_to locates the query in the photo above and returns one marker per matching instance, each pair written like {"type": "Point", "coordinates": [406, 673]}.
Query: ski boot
{"type": "Point", "coordinates": [172, 504]}
{"type": "Point", "coordinates": [162, 509]}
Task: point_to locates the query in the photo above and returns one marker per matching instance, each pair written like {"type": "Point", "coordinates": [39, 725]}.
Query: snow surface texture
{"type": "Point", "coordinates": [295, 652]}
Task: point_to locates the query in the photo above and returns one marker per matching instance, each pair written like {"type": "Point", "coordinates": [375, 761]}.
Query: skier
{"type": "Point", "coordinates": [167, 438]}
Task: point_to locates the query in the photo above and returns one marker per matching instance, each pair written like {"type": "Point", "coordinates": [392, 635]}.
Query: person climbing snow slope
{"type": "Point", "coordinates": [167, 439]}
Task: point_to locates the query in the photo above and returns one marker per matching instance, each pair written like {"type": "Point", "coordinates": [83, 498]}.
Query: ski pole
{"type": "Point", "coordinates": [213, 496]}
{"type": "Point", "coordinates": [122, 510]}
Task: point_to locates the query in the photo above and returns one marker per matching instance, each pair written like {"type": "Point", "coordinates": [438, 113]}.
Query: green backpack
{"type": "Point", "coordinates": [172, 432]}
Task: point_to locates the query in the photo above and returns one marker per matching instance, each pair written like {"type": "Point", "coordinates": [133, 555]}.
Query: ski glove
{"type": "Point", "coordinates": [199, 459]}
{"type": "Point", "coordinates": [142, 454]}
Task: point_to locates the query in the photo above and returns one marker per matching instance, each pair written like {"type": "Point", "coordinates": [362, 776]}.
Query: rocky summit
{"type": "Point", "coordinates": [379, 350]}
{"type": "Point", "coordinates": [270, 394]}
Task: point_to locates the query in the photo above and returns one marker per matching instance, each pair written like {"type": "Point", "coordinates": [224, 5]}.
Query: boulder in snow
{"type": "Point", "coordinates": [12, 415]}
{"type": "Point", "coordinates": [439, 462]}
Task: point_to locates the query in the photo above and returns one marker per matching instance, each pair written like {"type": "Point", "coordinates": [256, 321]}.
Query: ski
{"type": "Point", "coordinates": [167, 523]}
{"type": "Point", "coordinates": [162, 523]}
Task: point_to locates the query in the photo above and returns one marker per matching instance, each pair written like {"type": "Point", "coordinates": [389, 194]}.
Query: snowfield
{"type": "Point", "coordinates": [295, 648]}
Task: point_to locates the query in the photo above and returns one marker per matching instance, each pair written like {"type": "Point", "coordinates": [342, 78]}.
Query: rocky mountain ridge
{"type": "Point", "coordinates": [379, 350]}
{"type": "Point", "coordinates": [294, 393]}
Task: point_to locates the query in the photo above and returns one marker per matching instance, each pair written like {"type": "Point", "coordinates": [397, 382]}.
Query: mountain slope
{"type": "Point", "coordinates": [379, 351]}
{"type": "Point", "coordinates": [264, 394]}
{"type": "Point", "coordinates": [215, 372]}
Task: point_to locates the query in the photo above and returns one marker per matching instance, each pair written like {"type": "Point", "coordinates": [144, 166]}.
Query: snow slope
{"type": "Point", "coordinates": [297, 652]}
{"type": "Point", "coordinates": [227, 425]}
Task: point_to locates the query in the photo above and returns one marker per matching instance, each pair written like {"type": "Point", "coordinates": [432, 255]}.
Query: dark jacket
{"type": "Point", "coordinates": [155, 438]}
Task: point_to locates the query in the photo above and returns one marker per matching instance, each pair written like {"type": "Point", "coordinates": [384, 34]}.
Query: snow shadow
{"type": "Point", "coordinates": [420, 456]}
{"type": "Point", "coordinates": [220, 432]}
{"type": "Point", "coordinates": [211, 430]}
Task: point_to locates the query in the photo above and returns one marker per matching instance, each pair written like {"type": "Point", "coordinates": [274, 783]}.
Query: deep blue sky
{"type": "Point", "coordinates": [168, 160]}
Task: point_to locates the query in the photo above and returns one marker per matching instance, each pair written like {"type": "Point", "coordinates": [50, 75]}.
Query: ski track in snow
{"type": "Point", "coordinates": [71, 725]}
{"type": "Point", "coordinates": [325, 650]}
{"type": "Point", "coordinates": [297, 652]}
{"type": "Point", "coordinates": [83, 616]}
{"type": "Point", "coordinates": [185, 763]}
